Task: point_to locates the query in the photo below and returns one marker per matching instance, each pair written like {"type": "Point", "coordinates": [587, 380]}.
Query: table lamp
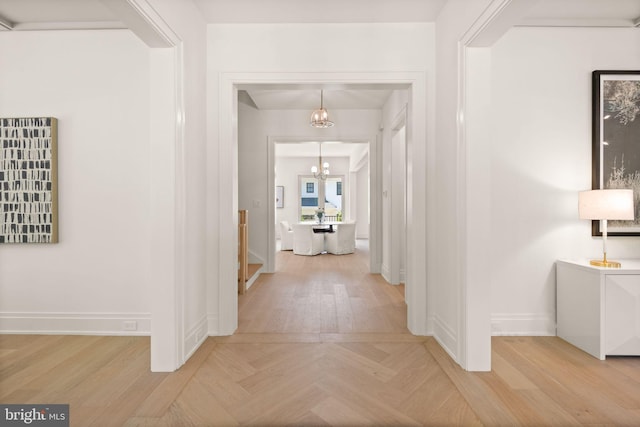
{"type": "Point", "coordinates": [603, 205]}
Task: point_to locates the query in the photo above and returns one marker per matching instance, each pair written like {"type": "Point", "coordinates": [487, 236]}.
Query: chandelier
{"type": "Point", "coordinates": [322, 170]}
{"type": "Point", "coordinates": [320, 118]}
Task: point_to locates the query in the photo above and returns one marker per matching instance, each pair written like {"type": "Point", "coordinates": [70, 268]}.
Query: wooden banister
{"type": "Point", "coordinates": [243, 250]}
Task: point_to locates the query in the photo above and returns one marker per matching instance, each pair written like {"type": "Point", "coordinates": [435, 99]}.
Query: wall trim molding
{"type": "Point", "coordinates": [523, 324]}
{"type": "Point", "coordinates": [418, 145]}
{"type": "Point", "coordinates": [75, 323]}
{"type": "Point", "coordinates": [169, 163]}
{"type": "Point", "coordinates": [398, 194]}
{"type": "Point", "coordinates": [473, 329]}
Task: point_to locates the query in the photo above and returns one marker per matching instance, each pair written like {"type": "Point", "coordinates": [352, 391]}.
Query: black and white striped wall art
{"type": "Point", "coordinates": [28, 180]}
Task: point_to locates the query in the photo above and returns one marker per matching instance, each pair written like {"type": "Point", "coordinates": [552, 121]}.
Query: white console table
{"type": "Point", "coordinates": [598, 309]}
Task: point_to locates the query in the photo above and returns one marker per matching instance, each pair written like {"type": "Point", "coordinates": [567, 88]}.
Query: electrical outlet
{"type": "Point", "coordinates": [129, 325]}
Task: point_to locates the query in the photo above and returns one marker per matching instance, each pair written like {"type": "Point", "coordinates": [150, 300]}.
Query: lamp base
{"type": "Point", "coordinates": [605, 263]}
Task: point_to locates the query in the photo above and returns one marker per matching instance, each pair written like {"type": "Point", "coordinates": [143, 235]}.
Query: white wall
{"type": "Point", "coordinates": [148, 106]}
{"type": "Point", "coordinates": [540, 160]}
{"type": "Point", "coordinates": [295, 47]}
{"type": "Point", "coordinates": [287, 171]}
{"type": "Point", "coordinates": [253, 178]}
{"type": "Point", "coordinates": [96, 84]}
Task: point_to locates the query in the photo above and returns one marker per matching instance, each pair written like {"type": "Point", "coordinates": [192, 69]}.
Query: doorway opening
{"type": "Point", "coordinates": [350, 193]}
{"type": "Point", "coordinates": [418, 318]}
{"type": "Point", "coordinates": [342, 196]}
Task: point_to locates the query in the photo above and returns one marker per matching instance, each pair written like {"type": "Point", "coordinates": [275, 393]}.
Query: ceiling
{"type": "Point", "coordinates": [583, 13]}
{"type": "Point", "coordinates": [25, 15]}
{"type": "Point", "coordinates": [55, 14]}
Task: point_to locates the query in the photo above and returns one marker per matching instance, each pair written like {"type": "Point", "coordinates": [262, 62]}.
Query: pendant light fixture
{"type": "Point", "coordinates": [322, 170]}
{"type": "Point", "coordinates": [320, 118]}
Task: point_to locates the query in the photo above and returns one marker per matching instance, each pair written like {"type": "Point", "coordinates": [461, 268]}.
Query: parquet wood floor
{"type": "Point", "coordinates": [321, 342]}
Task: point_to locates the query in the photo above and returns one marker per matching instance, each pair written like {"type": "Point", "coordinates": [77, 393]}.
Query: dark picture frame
{"type": "Point", "coordinates": [616, 141]}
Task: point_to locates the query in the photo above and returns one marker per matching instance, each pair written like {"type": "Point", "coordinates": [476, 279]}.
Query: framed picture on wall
{"type": "Point", "coordinates": [279, 196]}
{"type": "Point", "coordinates": [28, 180]}
{"type": "Point", "coordinates": [616, 141]}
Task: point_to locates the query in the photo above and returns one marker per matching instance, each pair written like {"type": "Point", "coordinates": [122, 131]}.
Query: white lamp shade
{"type": "Point", "coordinates": [606, 204]}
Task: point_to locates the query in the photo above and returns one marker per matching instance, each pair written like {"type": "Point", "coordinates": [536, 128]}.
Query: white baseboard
{"type": "Point", "coordinates": [431, 321]}
{"type": "Point", "coordinates": [253, 278]}
{"type": "Point", "coordinates": [502, 324]}
{"type": "Point", "coordinates": [523, 324]}
{"type": "Point", "coordinates": [76, 323]}
{"type": "Point", "coordinates": [446, 337]}
{"type": "Point", "coordinates": [385, 273]}
{"type": "Point", "coordinates": [195, 337]}
{"type": "Point", "coordinates": [212, 325]}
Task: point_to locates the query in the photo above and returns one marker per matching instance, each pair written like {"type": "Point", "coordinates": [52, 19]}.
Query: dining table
{"type": "Point", "coordinates": [321, 227]}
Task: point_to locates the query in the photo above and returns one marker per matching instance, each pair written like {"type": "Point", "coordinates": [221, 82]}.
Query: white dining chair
{"type": "Point", "coordinates": [286, 236]}
{"type": "Point", "coordinates": [342, 240]}
{"type": "Point", "coordinates": [305, 241]}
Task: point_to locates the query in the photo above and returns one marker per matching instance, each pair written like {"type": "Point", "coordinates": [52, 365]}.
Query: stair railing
{"type": "Point", "coordinates": [243, 250]}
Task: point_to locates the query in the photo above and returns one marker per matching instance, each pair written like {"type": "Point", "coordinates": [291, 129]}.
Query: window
{"type": "Point", "coordinates": [309, 198]}
{"type": "Point", "coordinates": [316, 194]}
